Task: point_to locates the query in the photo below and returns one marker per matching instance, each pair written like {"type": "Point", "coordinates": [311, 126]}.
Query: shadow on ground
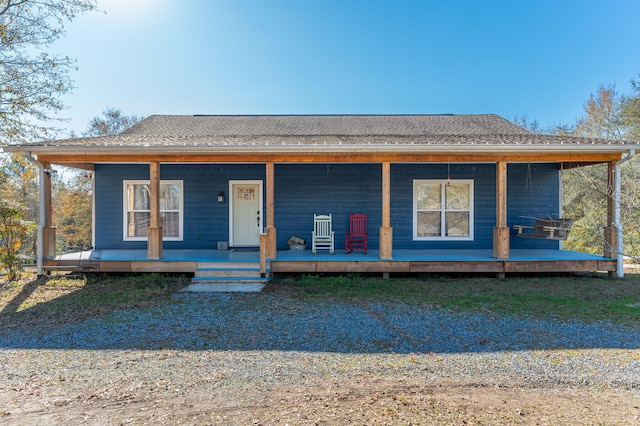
{"type": "Point", "coordinates": [81, 319]}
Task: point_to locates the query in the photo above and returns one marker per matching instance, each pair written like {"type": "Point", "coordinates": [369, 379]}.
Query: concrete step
{"type": "Point", "coordinates": [225, 284]}
{"type": "Point", "coordinates": [230, 279]}
{"type": "Point", "coordinates": [227, 277]}
{"type": "Point", "coordinates": [228, 265]}
{"type": "Point", "coordinates": [226, 272]}
{"type": "Point", "coordinates": [223, 287]}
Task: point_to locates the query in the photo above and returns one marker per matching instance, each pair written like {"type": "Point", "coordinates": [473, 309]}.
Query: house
{"type": "Point", "coordinates": [443, 193]}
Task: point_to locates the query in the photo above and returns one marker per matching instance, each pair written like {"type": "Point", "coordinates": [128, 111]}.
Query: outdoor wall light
{"type": "Point", "coordinates": [221, 197]}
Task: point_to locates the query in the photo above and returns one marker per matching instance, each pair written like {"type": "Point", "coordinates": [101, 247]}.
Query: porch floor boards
{"type": "Point", "coordinates": [411, 261]}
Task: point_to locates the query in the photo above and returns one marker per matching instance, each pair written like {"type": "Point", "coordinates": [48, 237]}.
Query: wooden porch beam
{"type": "Point", "coordinates": [83, 166]}
{"type": "Point", "coordinates": [335, 157]}
{"type": "Point", "coordinates": [270, 228]}
{"type": "Point", "coordinates": [386, 232]}
{"type": "Point", "coordinates": [49, 231]}
{"type": "Point", "coordinates": [501, 194]}
{"type": "Point", "coordinates": [501, 231]}
{"type": "Point", "coordinates": [154, 236]}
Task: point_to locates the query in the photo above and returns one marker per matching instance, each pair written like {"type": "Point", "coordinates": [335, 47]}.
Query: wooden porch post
{"type": "Point", "coordinates": [386, 231]}
{"type": "Point", "coordinates": [610, 232]}
{"type": "Point", "coordinates": [501, 230]}
{"type": "Point", "coordinates": [154, 242]}
{"type": "Point", "coordinates": [270, 229]}
{"type": "Point", "coordinates": [49, 231]}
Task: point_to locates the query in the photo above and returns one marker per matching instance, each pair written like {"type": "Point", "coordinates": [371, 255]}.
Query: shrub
{"type": "Point", "coordinates": [14, 231]}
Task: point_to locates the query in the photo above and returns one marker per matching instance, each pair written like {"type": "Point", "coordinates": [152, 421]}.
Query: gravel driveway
{"type": "Point", "coordinates": [237, 350]}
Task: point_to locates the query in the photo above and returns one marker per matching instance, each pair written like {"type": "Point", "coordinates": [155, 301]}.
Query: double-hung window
{"type": "Point", "coordinates": [442, 210]}
{"type": "Point", "coordinates": [137, 210]}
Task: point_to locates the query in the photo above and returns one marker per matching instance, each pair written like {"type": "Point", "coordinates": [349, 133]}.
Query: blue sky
{"type": "Point", "coordinates": [539, 59]}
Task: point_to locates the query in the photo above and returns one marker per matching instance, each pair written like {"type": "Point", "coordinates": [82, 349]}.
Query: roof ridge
{"type": "Point", "coordinates": [329, 115]}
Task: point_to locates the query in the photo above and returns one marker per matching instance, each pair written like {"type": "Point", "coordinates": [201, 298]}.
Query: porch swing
{"type": "Point", "coordinates": [548, 228]}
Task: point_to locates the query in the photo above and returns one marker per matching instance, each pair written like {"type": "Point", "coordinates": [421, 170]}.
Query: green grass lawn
{"type": "Point", "coordinates": [64, 299]}
{"type": "Point", "coordinates": [586, 298]}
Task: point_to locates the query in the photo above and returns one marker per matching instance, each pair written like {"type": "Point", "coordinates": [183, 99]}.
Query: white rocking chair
{"type": "Point", "coordinates": [322, 236]}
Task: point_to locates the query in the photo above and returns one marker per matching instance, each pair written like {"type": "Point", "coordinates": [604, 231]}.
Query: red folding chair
{"type": "Point", "coordinates": [356, 238]}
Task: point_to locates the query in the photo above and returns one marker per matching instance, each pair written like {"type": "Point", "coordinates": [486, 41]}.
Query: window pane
{"type": "Point", "coordinates": [137, 197]}
{"type": "Point", "coordinates": [457, 224]}
{"type": "Point", "coordinates": [142, 197]}
{"type": "Point", "coordinates": [428, 196]}
{"type": "Point", "coordinates": [170, 196]}
{"type": "Point", "coordinates": [138, 224]}
{"type": "Point", "coordinates": [457, 196]}
{"type": "Point", "coordinates": [138, 205]}
{"type": "Point", "coordinates": [429, 224]}
{"type": "Point", "coordinates": [171, 224]}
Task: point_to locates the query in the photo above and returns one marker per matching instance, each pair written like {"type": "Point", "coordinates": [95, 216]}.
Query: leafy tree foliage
{"type": "Point", "coordinates": [72, 203]}
{"type": "Point", "coordinates": [608, 115]}
{"type": "Point", "coordinates": [631, 112]}
{"type": "Point", "coordinates": [603, 115]}
{"type": "Point", "coordinates": [585, 199]}
{"type": "Point", "coordinates": [13, 233]}
{"type": "Point", "coordinates": [72, 206]}
{"type": "Point", "coordinates": [32, 80]}
{"type": "Point", "coordinates": [18, 182]}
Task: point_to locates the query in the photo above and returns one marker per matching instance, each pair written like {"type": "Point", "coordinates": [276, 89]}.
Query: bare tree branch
{"type": "Point", "coordinates": [32, 81]}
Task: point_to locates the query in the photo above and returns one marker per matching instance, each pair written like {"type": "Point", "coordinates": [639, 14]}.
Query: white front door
{"type": "Point", "coordinates": [245, 212]}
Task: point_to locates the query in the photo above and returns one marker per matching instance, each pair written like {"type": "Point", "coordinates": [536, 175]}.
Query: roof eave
{"type": "Point", "coordinates": [323, 149]}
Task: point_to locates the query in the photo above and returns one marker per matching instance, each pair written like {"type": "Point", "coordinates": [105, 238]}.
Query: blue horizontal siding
{"type": "Point", "coordinates": [337, 189]}
{"type": "Point", "coordinates": [304, 189]}
{"type": "Point", "coordinates": [533, 191]}
{"type": "Point", "coordinates": [205, 220]}
{"type": "Point", "coordinates": [402, 177]}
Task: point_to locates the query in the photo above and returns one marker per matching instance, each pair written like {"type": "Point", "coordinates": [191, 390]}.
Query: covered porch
{"type": "Point", "coordinates": [500, 257]}
{"type": "Point", "coordinates": [387, 166]}
{"type": "Point", "coordinates": [304, 261]}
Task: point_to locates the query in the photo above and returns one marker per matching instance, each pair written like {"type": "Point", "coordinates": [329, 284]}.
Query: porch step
{"type": "Point", "coordinates": [228, 272]}
{"type": "Point", "coordinates": [211, 277]}
{"type": "Point", "coordinates": [228, 265]}
{"type": "Point", "coordinates": [223, 288]}
{"type": "Point", "coordinates": [225, 284]}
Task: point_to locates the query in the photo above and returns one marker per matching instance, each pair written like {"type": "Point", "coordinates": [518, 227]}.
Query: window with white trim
{"type": "Point", "coordinates": [137, 210]}
{"type": "Point", "coordinates": [443, 210]}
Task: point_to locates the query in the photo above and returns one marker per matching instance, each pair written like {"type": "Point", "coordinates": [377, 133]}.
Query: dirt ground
{"type": "Point", "coordinates": [138, 387]}
{"type": "Point", "coordinates": [366, 400]}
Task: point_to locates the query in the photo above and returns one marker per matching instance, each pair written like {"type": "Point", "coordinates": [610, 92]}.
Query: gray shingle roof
{"type": "Point", "coordinates": [339, 133]}
{"type": "Point", "coordinates": [323, 125]}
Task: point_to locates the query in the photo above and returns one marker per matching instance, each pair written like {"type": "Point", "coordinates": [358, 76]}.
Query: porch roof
{"type": "Point", "coordinates": [310, 134]}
